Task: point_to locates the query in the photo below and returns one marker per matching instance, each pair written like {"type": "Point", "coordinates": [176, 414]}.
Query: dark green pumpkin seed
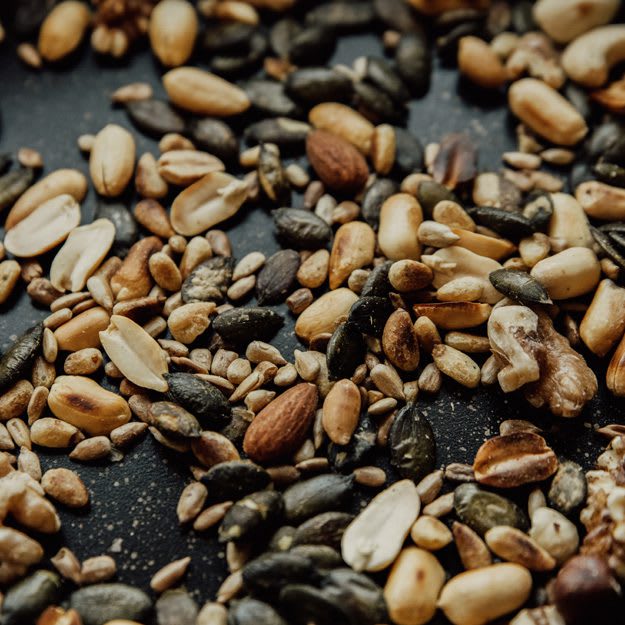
{"type": "Point", "coordinates": [318, 84]}
{"type": "Point", "coordinates": [324, 529]}
{"type": "Point", "coordinates": [5, 162]}
{"type": "Point", "coordinates": [270, 99]}
{"type": "Point", "coordinates": [382, 74]}
{"type": "Point", "coordinates": [173, 420]}
{"type": "Point", "coordinates": [430, 193]}
{"type": "Point", "coordinates": [226, 36]}
{"type": "Point", "coordinates": [343, 16]}
{"type": "Point", "coordinates": [312, 45]}
{"type": "Point", "coordinates": [198, 396]}
{"type": "Point", "coordinates": [568, 487]}
{"type": "Point", "coordinates": [412, 444]}
{"type": "Point", "coordinates": [618, 237]}
{"type": "Point", "coordinates": [243, 325]}
{"type": "Point", "coordinates": [277, 277]}
{"type": "Point", "coordinates": [397, 15]}
{"type": "Point", "coordinates": [26, 599]}
{"type": "Point", "coordinates": [519, 285]}
{"type": "Point", "coordinates": [253, 612]}
{"type": "Point", "coordinates": [318, 494]}
{"type": "Point", "coordinates": [13, 184]}
{"type": "Point", "coordinates": [360, 449]}
{"type": "Point", "coordinates": [607, 245]}
{"type": "Point", "coordinates": [523, 17]}
{"type": "Point", "coordinates": [538, 209]}
{"type": "Point", "coordinates": [229, 66]}
{"type": "Point", "coordinates": [447, 44]}
{"type": "Point", "coordinates": [271, 176]}
{"type": "Point", "coordinates": [101, 603]}
{"type": "Point", "coordinates": [126, 228]}
{"type": "Point", "coordinates": [253, 516]}
{"type": "Point", "coordinates": [176, 607]}
{"type": "Point", "coordinates": [306, 604]}
{"type": "Point", "coordinates": [481, 510]}
{"type": "Point", "coordinates": [270, 572]}
{"type": "Point", "coordinates": [155, 117]}
{"type": "Point", "coordinates": [216, 137]}
{"type": "Point", "coordinates": [301, 228]}
{"type": "Point", "coordinates": [414, 62]}
{"type": "Point", "coordinates": [282, 540]}
{"type": "Point", "coordinates": [507, 223]}
{"type": "Point", "coordinates": [209, 281]}
{"type": "Point", "coordinates": [323, 557]}
{"type": "Point", "coordinates": [369, 314]}
{"type": "Point", "coordinates": [375, 196]}
{"type": "Point", "coordinates": [610, 173]}
{"type": "Point", "coordinates": [235, 479]}
{"type": "Point", "coordinates": [346, 350]}
{"type": "Point", "coordinates": [375, 104]}
{"type": "Point", "coordinates": [16, 362]}
{"type": "Point", "coordinates": [377, 284]}
{"type": "Point", "coordinates": [281, 35]}
{"type": "Point", "coordinates": [283, 131]}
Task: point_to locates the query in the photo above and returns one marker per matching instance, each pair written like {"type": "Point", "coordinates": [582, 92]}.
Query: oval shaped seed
{"type": "Point", "coordinates": [112, 160]}
{"type": "Point", "coordinates": [66, 487]}
{"type": "Point", "coordinates": [81, 255]}
{"type": "Point", "coordinates": [353, 248]}
{"type": "Point", "coordinates": [47, 226]}
{"type": "Point", "coordinates": [479, 62]}
{"type": "Point", "coordinates": [400, 218]}
{"type": "Point", "coordinates": [82, 402]}
{"type": "Point", "coordinates": [570, 273]}
{"type": "Point", "coordinates": [374, 538]}
{"type": "Point", "coordinates": [325, 313]}
{"type": "Point", "coordinates": [60, 182]}
{"type": "Point", "coordinates": [457, 365]}
{"type": "Point", "coordinates": [211, 200]}
{"type": "Point", "coordinates": [135, 353]}
{"type": "Point", "coordinates": [204, 93]}
{"type": "Point", "coordinates": [400, 341]}
{"type": "Point", "coordinates": [429, 533]}
{"type": "Point", "coordinates": [83, 330]}
{"type": "Point", "coordinates": [53, 433]}
{"type": "Point", "coordinates": [412, 443]}
{"type": "Point", "coordinates": [345, 122]}
{"type": "Point", "coordinates": [554, 533]}
{"type": "Point", "coordinates": [173, 29]}
{"type": "Point", "coordinates": [482, 595]}
{"type": "Point", "coordinates": [63, 30]}
{"type": "Point", "coordinates": [514, 545]}
{"type": "Point", "coordinates": [413, 587]}
{"type": "Point", "coordinates": [341, 411]}
{"type": "Point", "coordinates": [18, 548]}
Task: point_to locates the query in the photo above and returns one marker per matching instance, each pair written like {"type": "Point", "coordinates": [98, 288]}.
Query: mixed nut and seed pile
{"type": "Point", "coordinates": [402, 265]}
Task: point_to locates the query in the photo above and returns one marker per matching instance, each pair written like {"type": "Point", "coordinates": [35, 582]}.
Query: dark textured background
{"type": "Point", "coordinates": [133, 501]}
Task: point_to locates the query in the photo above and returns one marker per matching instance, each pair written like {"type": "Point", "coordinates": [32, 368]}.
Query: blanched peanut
{"type": "Point", "coordinates": [604, 322]}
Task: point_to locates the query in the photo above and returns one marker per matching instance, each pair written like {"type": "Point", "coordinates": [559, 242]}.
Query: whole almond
{"type": "Point", "coordinates": [46, 227]}
{"type": "Point", "coordinates": [345, 122]}
{"type": "Point", "coordinates": [173, 29]}
{"type": "Point", "coordinates": [204, 93]}
{"type": "Point", "coordinates": [59, 182]}
{"type": "Point", "coordinates": [112, 160]}
{"type": "Point", "coordinates": [63, 29]}
{"type": "Point", "coordinates": [514, 459]}
{"type": "Point", "coordinates": [341, 412]}
{"type": "Point", "coordinates": [353, 248]}
{"type": "Point", "coordinates": [400, 341]}
{"type": "Point", "coordinates": [279, 429]}
{"type": "Point", "coordinates": [339, 165]}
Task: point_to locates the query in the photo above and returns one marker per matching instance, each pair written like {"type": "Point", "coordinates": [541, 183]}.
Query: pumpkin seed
{"type": "Point", "coordinates": [198, 396]}
{"type": "Point", "coordinates": [277, 277]}
{"type": "Point", "coordinates": [267, 574]}
{"type": "Point", "coordinates": [155, 117]}
{"type": "Point", "coordinates": [253, 515]}
{"type": "Point", "coordinates": [568, 488]}
{"type": "Point", "coordinates": [282, 131]}
{"type": "Point", "coordinates": [126, 229]}
{"type": "Point", "coordinates": [360, 449]}
{"type": "Point", "coordinates": [314, 44]}
{"type": "Point", "coordinates": [519, 285]}
{"type": "Point", "coordinates": [316, 495]}
{"type": "Point", "coordinates": [101, 603]}
{"type": "Point", "coordinates": [173, 420]}
{"type": "Point", "coordinates": [414, 62]}
{"type": "Point", "coordinates": [243, 325]}
{"type": "Point", "coordinates": [235, 479]}
{"type": "Point", "coordinates": [209, 281]}
{"type": "Point", "coordinates": [270, 99]}
{"type": "Point", "coordinates": [216, 137]}
{"type": "Point", "coordinates": [343, 16]}
{"type": "Point", "coordinates": [18, 359]}
{"type": "Point", "coordinates": [369, 314]}
{"type": "Point", "coordinates": [301, 228]}
{"type": "Point", "coordinates": [253, 612]}
{"type": "Point", "coordinates": [346, 350]}
{"type": "Point", "coordinates": [507, 223]}
{"type": "Point", "coordinates": [305, 604]}
{"type": "Point", "coordinates": [176, 607]}
{"type": "Point", "coordinates": [26, 600]}
{"type": "Point", "coordinates": [13, 184]}
{"type": "Point", "coordinates": [318, 84]}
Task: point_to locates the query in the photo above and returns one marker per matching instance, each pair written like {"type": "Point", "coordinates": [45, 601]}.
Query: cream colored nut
{"type": "Point", "coordinates": [237, 12]}
{"type": "Point", "coordinates": [209, 201]}
{"type": "Point", "coordinates": [387, 381]}
{"type": "Point", "coordinates": [169, 575]}
{"type": "Point", "coordinates": [513, 545]}
{"type": "Point", "coordinates": [248, 265]}
{"type": "Point", "coordinates": [453, 215]}
{"type": "Point", "coordinates": [19, 432]}
{"type": "Point", "coordinates": [383, 148]}
{"type": "Point", "coordinates": [589, 59]}
{"type": "Point", "coordinates": [112, 160]}
{"type": "Point", "coordinates": [454, 315]}
{"type": "Point", "coordinates": [238, 370]}
{"type": "Point", "coordinates": [29, 55]}
{"type": "Point", "coordinates": [28, 462]}
{"type": "Point", "coordinates": [81, 255]}
{"type": "Point", "coordinates": [82, 402]}
{"type": "Point", "coordinates": [413, 587]}
{"type": "Point", "coordinates": [468, 343]}
{"type": "Point", "coordinates": [324, 314]}
{"type": "Point", "coordinates": [570, 273]}
{"type": "Point", "coordinates": [341, 412]}
{"type": "Point", "coordinates": [466, 289]}
{"type": "Point", "coordinates": [165, 272]}
{"type": "Point", "coordinates": [580, 16]}
{"type": "Point", "coordinates": [83, 362]}
{"type": "Point", "coordinates": [197, 251]}
{"type": "Point", "coordinates": [431, 379]}
{"type": "Point", "coordinates": [98, 569]}
{"type": "Point", "coordinates": [483, 245]}
{"type": "Point", "coordinates": [148, 181]}
{"type": "Point", "coordinates": [533, 249]}
{"type": "Point", "coordinates": [191, 501]}
{"type": "Point", "coordinates": [429, 533]}
{"type": "Point", "coordinates": [53, 433]}
{"type": "Point", "coordinates": [190, 320]}
{"type": "Point", "coordinates": [554, 533]}
{"type": "Point", "coordinates": [82, 330]}
{"type": "Point", "coordinates": [374, 538]}
{"type": "Point", "coordinates": [135, 353]}
{"type": "Point", "coordinates": [479, 596]}
{"type": "Point", "coordinates": [353, 248]}
{"type": "Point", "coordinates": [132, 92]}
{"type": "Point", "coordinates": [436, 234]}
{"type": "Point", "coordinates": [201, 92]}
{"type": "Point", "coordinates": [66, 487]}
{"type": "Point", "coordinates": [184, 167]}
{"type": "Point", "coordinates": [601, 201]}
{"type": "Point", "coordinates": [44, 228]}
{"type": "Point", "coordinates": [480, 64]}
{"type": "Point", "coordinates": [312, 273]}
{"type": "Point", "coordinates": [63, 29]}
{"type": "Point", "coordinates": [345, 122]}
{"type": "Point", "coordinates": [174, 141]}
{"type": "Point", "coordinates": [546, 112]}
{"type": "Point", "coordinates": [257, 351]}
{"type": "Point", "coordinates": [608, 303]}
{"type": "Point", "coordinates": [569, 224]}
{"type": "Point", "coordinates": [173, 29]}
{"type": "Point", "coordinates": [456, 365]}
{"type": "Point", "coordinates": [400, 218]}
{"type": "Point", "coordinates": [509, 329]}
{"type": "Point", "coordinates": [9, 275]}
{"type": "Point", "coordinates": [455, 262]}
{"type": "Point", "coordinates": [212, 614]}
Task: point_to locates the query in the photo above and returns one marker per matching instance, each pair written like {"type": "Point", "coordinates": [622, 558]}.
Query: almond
{"type": "Point", "coordinates": [204, 93]}
{"type": "Point", "coordinates": [279, 429]}
{"type": "Point", "coordinates": [353, 248]}
{"type": "Point", "coordinates": [173, 29]}
{"type": "Point", "coordinates": [63, 29]}
{"type": "Point", "coordinates": [112, 160]}
{"type": "Point", "coordinates": [339, 165]}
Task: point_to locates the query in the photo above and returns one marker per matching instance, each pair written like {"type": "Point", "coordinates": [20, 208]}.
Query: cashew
{"type": "Point", "coordinates": [601, 200]}
{"type": "Point", "coordinates": [569, 224]}
{"type": "Point", "coordinates": [510, 331]}
{"type": "Point", "coordinates": [578, 17]}
{"type": "Point", "coordinates": [589, 59]}
{"type": "Point", "coordinates": [546, 112]}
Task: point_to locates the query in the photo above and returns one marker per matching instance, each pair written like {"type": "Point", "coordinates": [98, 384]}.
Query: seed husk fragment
{"type": "Point", "coordinates": [199, 397]}
{"type": "Point", "coordinates": [18, 359]}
